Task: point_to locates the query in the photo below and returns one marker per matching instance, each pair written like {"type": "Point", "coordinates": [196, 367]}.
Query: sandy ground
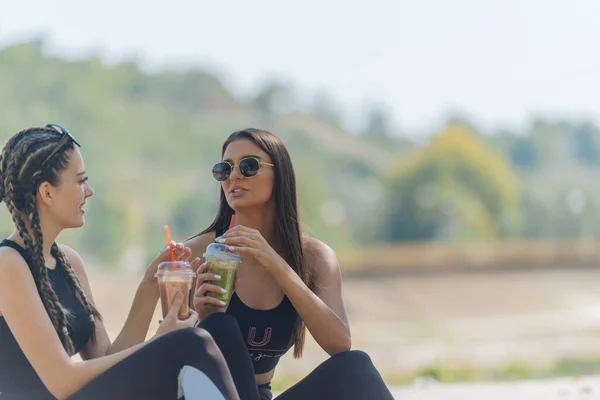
{"type": "Point", "coordinates": [582, 388]}
{"type": "Point", "coordinates": [409, 322]}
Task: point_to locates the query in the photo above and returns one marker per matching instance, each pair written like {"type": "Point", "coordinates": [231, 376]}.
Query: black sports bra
{"type": "Point", "coordinates": [268, 333]}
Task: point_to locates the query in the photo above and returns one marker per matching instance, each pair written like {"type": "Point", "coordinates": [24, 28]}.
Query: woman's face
{"type": "Point", "coordinates": [65, 202]}
{"type": "Point", "coordinates": [247, 191]}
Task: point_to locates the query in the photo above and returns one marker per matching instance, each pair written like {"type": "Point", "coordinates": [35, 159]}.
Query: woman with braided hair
{"type": "Point", "coordinates": [47, 311]}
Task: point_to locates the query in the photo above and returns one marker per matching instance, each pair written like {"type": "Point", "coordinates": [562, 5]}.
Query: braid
{"type": "Point", "coordinates": [8, 147]}
{"type": "Point", "coordinates": [20, 177]}
{"type": "Point", "coordinates": [66, 265]}
{"type": "Point", "coordinates": [12, 172]}
{"type": "Point", "coordinates": [57, 313]}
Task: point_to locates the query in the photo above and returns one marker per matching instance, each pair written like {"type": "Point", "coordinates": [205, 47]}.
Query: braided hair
{"type": "Point", "coordinates": [21, 174]}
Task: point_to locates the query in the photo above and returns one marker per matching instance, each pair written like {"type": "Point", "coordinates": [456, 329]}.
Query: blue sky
{"type": "Point", "coordinates": [499, 61]}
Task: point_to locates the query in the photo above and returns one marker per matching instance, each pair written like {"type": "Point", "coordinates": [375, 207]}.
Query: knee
{"type": "Point", "coordinates": [349, 364]}
{"type": "Point", "coordinates": [352, 357]}
{"type": "Point", "coordinates": [355, 372]}
{"type": "Point", "coordinates": [189, 337]}
{"type": "Point", "coordinates": [220, 324]}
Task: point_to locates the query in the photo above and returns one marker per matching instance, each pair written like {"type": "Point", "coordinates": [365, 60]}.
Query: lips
{"type": "Point", "coordinates": [81, 208]}
{"type": "Point", "coordinates": [237, 190]}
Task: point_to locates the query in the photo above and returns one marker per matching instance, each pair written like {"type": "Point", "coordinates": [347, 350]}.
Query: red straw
{"type": "Point", "coordinates": [231, 225]}
{"type": "Point", "coordinates": [169, 243]}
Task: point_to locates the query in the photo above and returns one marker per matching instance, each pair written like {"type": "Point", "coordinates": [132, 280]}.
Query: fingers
{"type": "Point", "coordinates": [183, 255]}
{"type": "Point", "coordinates": [204, 276]}
{"type": "Point", "coordinates": [237, 240]}
{"type": "Point", "coordinates": [173, 244]}
{"type": "Point", "coordinates": [202, 268]}
{"type": "Point", "coordinates": [207, 287]}
{"type": "Point", "coordinates": [200, 302]}
{"type": "Point", "coordinates": [200, 296]}
{"type": "Point", "coordinates": [192, 320]}
{"type": "Point", "coordinates": [196, 263]}
{"type": "Point", "coordinates": [240, 229]}
{"type": "Point", "coordinates": [180, 251]}
{"type": "Point", "coordinates": [174, 309]}
{"type": "Point", "coordinates": [208, 276]}
{"type": "Point", "coordinates": [244, 250]}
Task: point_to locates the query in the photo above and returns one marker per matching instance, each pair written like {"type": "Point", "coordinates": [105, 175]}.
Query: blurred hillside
{"type": "Point", "coordinates": [149, 141]}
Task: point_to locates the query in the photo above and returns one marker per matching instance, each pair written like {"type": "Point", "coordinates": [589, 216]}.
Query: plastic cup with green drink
{"type": "Point", "coordinates": [224, 263]}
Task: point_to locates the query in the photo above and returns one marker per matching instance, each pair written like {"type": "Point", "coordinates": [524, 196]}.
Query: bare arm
{"type": "Point", "coordinates": [144, 303]}
{"type": "Point", "coordinates": [138, 321]}
{"type": "Point", "coordinates": [323, 310]}
{"type": "Point", "coordinates": [30, 324]}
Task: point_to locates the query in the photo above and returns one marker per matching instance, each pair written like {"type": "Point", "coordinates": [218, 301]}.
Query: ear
{"type": "Point", "coordinates": [46, 193]}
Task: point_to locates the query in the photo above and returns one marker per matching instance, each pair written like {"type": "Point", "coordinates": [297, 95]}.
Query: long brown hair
{"type": "Point", "coordinates": [21, 174]}
{"type": "Point", "coordinates": [287, 221]}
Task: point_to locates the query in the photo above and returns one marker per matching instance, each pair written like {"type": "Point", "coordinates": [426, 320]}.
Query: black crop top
{"type": "Point", "coordinates": [18, 379]}
{"type": "Point", "coordinates": [268, 333]}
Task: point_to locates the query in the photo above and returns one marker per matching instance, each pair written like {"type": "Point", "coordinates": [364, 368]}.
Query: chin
{"type": "Point", "coordinates": [235, 204]}
{"type": "Point", "coordinates": [77, 224]}
{"type": "Point", "coordinates": [240, 204]}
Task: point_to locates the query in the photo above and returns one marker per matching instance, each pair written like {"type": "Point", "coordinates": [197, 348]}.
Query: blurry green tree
{"type": "Point", "coordinates": [454, 188]}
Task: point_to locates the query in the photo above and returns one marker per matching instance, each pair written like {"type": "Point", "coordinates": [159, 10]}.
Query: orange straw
{"type": "Point", "coordinates": [169, 243]}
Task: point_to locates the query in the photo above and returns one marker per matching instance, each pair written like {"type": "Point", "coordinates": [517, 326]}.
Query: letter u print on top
{"type": "Point", "coordinates": [265, 339]}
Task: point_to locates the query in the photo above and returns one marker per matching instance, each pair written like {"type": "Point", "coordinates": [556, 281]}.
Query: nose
{"type": "Point", "coordinates": [235, 173]}
{"type": "Point", "coordinates": [89, 192]}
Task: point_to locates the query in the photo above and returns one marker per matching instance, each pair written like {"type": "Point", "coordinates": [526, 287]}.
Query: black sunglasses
{"type": "Point", "coordinates": [248, 166]}
{"type": "Point", "coordinates": [66, 138]}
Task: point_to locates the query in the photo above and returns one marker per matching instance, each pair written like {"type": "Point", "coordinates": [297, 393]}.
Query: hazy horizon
{"type": "Point", "coordinates": [501, 63]}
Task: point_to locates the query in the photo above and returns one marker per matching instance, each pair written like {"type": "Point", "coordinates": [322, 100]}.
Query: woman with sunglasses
{"type": "Point", "coordinates": [287, 282]}
{"type": "Point", "coordinates": [47, 311]}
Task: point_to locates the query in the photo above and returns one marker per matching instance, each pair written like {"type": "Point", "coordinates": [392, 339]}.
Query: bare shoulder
{"type": "Point", "coordinates": [12, 261]}
{"type": "Point", "coordinates": [198, 244]}
{"type": "Point", "coordinates": [319, 256]}
{"type": "Point", "coordinates": [14, 272]}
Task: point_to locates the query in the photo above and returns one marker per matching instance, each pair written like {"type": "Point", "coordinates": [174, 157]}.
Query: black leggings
{"type": "Point", "coordinates": [152, 372]}
{"type": "Point", "coordinates": [349, 375]}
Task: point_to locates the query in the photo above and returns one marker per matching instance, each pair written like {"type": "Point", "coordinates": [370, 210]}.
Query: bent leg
{"type": "Point", "coordinates": [225, 330]}
{"type": "Point", "coordinates": [152, 372]}
{"type": "Point", "coordinates": [349, 375]}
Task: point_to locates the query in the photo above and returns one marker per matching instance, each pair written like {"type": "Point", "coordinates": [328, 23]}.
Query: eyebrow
{"type": "Point", "coordinates": [81, 173]}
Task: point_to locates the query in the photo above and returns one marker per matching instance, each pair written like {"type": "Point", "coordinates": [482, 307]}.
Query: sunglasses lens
{"type": "Point", "coordinates": [249, 166]}
{"type": "Point", "coordinates": [221, 171]}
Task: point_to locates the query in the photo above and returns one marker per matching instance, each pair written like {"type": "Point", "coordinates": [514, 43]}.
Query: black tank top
{"type": "Point", "coordinates": [18, 379]}
{"type": "Point", "coordinates": [268, 333]}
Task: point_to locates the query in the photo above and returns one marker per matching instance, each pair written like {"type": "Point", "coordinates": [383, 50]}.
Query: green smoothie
{"type": "Point", "coordinates": [223, 263]}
